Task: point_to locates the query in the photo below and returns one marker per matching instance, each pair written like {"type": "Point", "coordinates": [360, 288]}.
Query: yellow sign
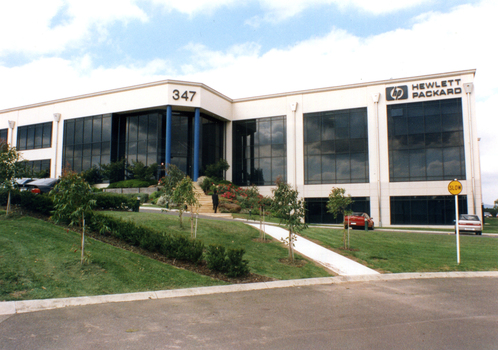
{"type": "Point", "coordinates": [455, 187]}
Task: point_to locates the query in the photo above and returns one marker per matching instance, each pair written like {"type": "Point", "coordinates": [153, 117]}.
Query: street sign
{"type": "Point", "coordinates": [455, 187]}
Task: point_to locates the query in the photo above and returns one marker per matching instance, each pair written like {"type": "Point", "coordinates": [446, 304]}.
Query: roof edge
{"type": "Point", "coordinates": [357, 85]}
{"type": "Point", "coordinates": [117, 90]}
{"type": "Point", "coordinates": [244, 99]}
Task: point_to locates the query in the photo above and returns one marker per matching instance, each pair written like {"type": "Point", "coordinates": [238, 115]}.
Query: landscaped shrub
{"type": "Point", "coordinates": [116, 201]}
{"type": "Point", "coordinates": [236, 266]}
{"type": "Point", "coordinates": [92, 175]}
{"type": "Point", "coordinates": [113, 172]}
{"type": "Point", "coordinates": [132, 184]}
{"type": "Point", "coordinates": [38, 203]}
{"type": "Point", "coordinates": [216, 257]}
{"type": "Point", "coordinates": [216, 170]}
{"type": "Point", "coordinates": [187, 249]}
{"type": "Point", "coordinates": [172, 246]}
{"type": "Point", "coordinates": [206, 184]}
{"type": "Point", "coordinates": [154, 196]}
{"type": "Point", "coordinates": [142, 172]}
{"type": "Point", "coordinates": [229, 261]}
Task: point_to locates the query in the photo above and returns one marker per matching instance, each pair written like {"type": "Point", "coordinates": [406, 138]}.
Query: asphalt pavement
{"type": "Point", "coordinates": [421, 313]}
{"type": "Point", "coordinates": [360, 309]}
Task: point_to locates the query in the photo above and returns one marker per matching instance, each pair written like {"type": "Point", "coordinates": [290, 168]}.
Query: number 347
{"type": "Point", "coordinates": [187, 95]}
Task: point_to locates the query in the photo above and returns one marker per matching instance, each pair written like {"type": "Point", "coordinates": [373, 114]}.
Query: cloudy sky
{"type": "Point", "coordinates": [52, 49]}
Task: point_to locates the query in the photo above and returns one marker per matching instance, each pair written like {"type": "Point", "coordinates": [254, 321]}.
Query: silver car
{"type": "Point", "coordinates": [470, 223]}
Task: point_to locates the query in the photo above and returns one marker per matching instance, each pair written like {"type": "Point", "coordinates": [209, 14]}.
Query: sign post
{"type": "Point", "coordinates": [455, 187]}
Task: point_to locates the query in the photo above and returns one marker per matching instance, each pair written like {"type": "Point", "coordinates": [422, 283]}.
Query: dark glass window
{"type": "Point", "coordinates": [426, 210]}
{"type": "Point", "coordinates": [37, 168]}
{"type": "Point", "coordinates": [3, 136]}
{"type": "Point", "coordinates": [259, 151]}
{"type": "Point", "coordinates": [212, 138]}
{"type": "Point", "coordinates": [336, 147]}
{"type": "Point", "coordinates": [83, 142]}
{"type": "Point", "coordinates": [426, 141]}
{"type": "Point", "coordinates": [316, 210]}
{"type": "Point", "coordinates": [34, 136]}
{"type": "Point", "coordinates": [182, 141]}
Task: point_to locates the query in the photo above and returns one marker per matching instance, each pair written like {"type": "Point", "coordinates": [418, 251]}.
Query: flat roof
{"type": "Point", "coordinates": [203, 86]}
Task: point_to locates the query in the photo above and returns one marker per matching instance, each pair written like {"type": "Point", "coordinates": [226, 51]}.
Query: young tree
{"type": "Point", "coordinates": [173, 177]}
{"type": "Point", "coordinates": [72, 198]}
{"type": "Point", "coordinates": [185, 196]}
{"type": "Point", "coordinates": [290, 209]}
{"type": "Point", "coordinates": [10, 169]}
{"type": "Point", "coordinates": [339, 203]}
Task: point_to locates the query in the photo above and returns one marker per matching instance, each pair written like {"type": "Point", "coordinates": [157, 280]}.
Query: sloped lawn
{"type": "Point", "coordinates": [39, 260]}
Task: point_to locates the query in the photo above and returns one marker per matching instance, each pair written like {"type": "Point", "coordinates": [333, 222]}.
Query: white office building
{"type": "Point", "coordinates": [394, 145]}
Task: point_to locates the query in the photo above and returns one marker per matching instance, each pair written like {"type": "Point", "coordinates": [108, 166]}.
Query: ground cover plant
{"type": "Point", "coordinates": [266, 259]}
{"type": "Point", "coordinates": [411, 252]}
{"type": "Point", "coordinates": [40, 260]}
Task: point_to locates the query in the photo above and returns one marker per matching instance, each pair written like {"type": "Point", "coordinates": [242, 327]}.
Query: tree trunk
{"type": "Point", "coordinates": [192, 222]}
{"type": "Point", "coordinates": [8, 204]}
{"type": "Point", "coordinates": [291, 250]}
{"type": "Point", "coordinates": [83, 240]}
{"type": "Point", "coordinates": [348, 236]}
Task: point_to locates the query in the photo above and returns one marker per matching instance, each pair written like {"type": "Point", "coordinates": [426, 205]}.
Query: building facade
{"type": "Point", "coordinates": [394, 145]}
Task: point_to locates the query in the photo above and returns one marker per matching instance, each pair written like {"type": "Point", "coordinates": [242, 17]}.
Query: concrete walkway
{"type": "Point", "coordinates": [332, 261]}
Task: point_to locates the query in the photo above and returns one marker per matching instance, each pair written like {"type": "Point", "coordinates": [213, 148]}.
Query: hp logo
{"type": "Point", "coordinates": [397, 93]}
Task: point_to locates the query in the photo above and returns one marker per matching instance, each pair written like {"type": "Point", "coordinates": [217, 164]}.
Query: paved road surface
{"type": "Point", "coordinates": [453, 313]}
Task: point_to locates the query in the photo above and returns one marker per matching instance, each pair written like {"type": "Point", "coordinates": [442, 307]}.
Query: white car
{"type": "Point", "coordinates": [470, 223]}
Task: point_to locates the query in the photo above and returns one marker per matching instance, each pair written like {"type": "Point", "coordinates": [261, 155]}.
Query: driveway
{"type": "Point", "coordinates": [446, 313]}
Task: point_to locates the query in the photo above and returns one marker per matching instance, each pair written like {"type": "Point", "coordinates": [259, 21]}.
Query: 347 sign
{"type": "Point", "coordinates": [185, 95]}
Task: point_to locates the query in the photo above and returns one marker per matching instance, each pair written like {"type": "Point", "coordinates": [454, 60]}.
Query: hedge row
{"type": "Point", "coordinates": [229, 262]}
{"type": "Point", "coordinates": [38, 203]}
{"type": "Point", "coordinates": [118, 201]}
{"type": "Point", "coordinates": [171, 246]}
{"type": "Point", "coordinates": [42, 203]}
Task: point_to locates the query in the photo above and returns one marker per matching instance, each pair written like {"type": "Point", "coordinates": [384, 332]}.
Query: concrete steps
{"type": "Point", "coordinates": [204, 200]}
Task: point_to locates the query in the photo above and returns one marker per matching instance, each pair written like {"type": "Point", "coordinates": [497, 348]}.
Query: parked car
{"type": "Point", "coordinates": [357, 219]}
{"type": "Point", "coordinates": [487, 214]}
{"type": "Point", "coordinates": [470, 223]}
{"type": "Point", "coordinates": [42, 185]}
{"type": "Point", "coordinates": [22, 183]}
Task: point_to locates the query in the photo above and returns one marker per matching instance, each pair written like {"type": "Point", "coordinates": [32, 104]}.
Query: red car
{"type": "Point", "coordinates": [357, 219]}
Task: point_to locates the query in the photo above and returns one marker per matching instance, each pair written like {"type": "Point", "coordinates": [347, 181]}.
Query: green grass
{"type": "Point", "coordinates": [411, 252]}
{"type": "Point", "coordinates": [264, 258]}
{"type": "Point", "coordinates": [491, 225]}
{"type": "Point", "coordinates": [255, 218]}
{"type": "Point", "coordinates": [39, 260]}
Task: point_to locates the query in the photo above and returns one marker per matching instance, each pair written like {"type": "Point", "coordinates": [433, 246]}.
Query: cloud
{"type": "Point", "coordinates": [208, 59]}
{"type": "Point", "coordinates": [435, 42]}
{"type": "Point", "coordinates": [51, 26]}
{"type": "Point", "coordinates": [279, 10]}
{"type": "Point", "coordinates": [192, 7]}
{"type": "Point", "coordinates": [52, 78]}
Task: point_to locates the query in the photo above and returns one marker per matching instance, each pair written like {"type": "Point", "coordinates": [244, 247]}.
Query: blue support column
{"type": "Point", "coordinates": [169, 111]}
{"type": "Point", "coordinates": [197, 143]}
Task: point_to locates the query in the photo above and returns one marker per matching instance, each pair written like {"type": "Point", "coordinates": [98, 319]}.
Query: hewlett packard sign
{"type": "Point", "coordinates": [424, 90]}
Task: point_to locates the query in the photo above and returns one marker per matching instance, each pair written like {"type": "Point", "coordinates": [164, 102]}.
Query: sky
{"type": "Point", "coordinates": [244, 48]}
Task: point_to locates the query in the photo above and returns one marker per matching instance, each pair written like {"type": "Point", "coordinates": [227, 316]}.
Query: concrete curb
{"type": "Point", "coordinates": [18, 307]}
